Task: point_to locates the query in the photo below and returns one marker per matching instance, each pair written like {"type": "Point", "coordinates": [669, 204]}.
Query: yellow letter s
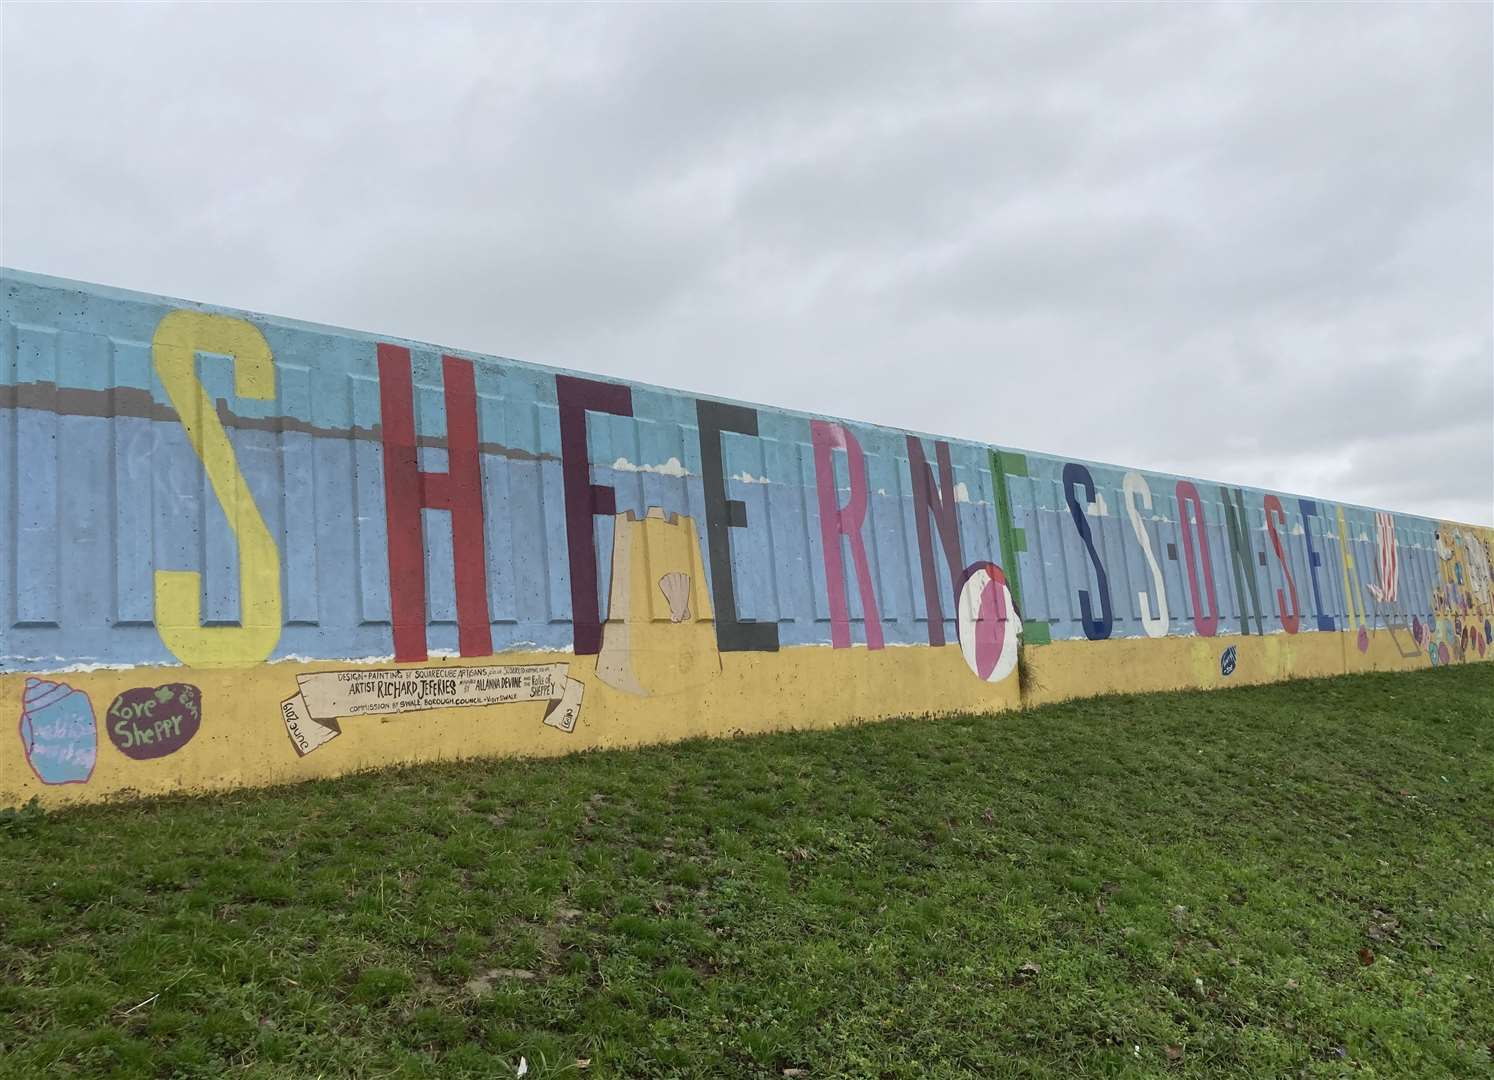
{"type": "Point", "coordinates": [179, 337]}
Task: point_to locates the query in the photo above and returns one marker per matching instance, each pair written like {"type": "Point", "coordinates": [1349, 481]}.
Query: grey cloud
{"type": "Point", "coordinates": [1250, 243]}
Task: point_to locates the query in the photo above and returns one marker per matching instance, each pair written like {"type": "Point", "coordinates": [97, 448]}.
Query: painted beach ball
{"type": "Point", "coordinates": [58, 733]}
{"type": "Point", "coordinates": [1363, 640]}
{"type": "Point", "coordinates": [1488, 630]}
{"type": "Point", "coordinates": [1443, 656]}
{"type": "Point", "coordinates": [1418, 632]}
{"type": "Point", "coordinates": [988, 623]}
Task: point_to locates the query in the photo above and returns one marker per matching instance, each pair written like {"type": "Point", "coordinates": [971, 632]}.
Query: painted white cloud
{"type": "Point", "coordinates": [1099, 508]}
{"type": "Point", "coordinates": [962, 493]}
{"type": "Point", "coordinates": [747, 478]}
{"type": "Point", "coordinates": [672, 467]}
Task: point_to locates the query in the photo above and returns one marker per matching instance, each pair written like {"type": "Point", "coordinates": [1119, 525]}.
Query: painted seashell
{"type": "Point", "coordinates": [58, 733]}
{"type": "Point", "coordinates": [1228, 660]}
{"type": "Point", "coordinates": [676, 589]}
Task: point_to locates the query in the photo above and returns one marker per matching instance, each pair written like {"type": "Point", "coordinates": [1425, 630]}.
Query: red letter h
{"type": "Point", "coordinates": [407, 490]}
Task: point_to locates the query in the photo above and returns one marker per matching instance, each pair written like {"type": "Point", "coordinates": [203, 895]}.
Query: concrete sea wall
{"type": "Point", "coordinates": [241, 550]}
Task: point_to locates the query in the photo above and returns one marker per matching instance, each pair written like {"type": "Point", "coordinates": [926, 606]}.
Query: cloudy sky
{"type": "Point", "coordinates": [1253, 245]}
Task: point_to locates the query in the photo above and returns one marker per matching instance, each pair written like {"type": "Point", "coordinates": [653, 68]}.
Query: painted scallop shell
{"type": "Point", "coordinates": [676, 589]}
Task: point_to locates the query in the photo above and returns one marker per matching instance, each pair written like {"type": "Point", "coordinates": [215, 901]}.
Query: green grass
{"type": "Point", "coordinates": [1171, 885]}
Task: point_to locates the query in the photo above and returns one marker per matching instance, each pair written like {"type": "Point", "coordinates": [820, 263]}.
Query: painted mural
{"type": "Point", "coordinates": [237, 550]}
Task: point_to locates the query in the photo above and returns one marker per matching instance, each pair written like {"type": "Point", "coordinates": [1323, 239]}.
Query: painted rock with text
{"type": "Point", "coordinates": [58, 732]}
{"type": "Point", "coordinates": [153, 721]}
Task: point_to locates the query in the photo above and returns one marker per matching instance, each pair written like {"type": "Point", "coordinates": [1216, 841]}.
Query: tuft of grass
{"type": "Point", "coordinates": [1027, 681]}
{"type": "Point", "coordinates": [1292, 880]}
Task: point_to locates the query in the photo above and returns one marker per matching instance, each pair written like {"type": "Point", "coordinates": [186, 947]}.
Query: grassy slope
{"type": "Point", "coordinates": [1194, 876]}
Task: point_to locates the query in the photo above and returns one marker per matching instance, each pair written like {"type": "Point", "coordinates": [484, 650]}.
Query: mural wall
{"type": "Point", "coordinates": [237, 549]}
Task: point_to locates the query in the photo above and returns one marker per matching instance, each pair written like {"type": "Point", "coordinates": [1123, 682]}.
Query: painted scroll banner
{"type": "Point", "coordinates": [311, 716]}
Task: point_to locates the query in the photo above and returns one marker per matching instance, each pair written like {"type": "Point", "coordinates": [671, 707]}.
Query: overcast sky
{"type": "Point", "coordinates": [1247, 244]}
